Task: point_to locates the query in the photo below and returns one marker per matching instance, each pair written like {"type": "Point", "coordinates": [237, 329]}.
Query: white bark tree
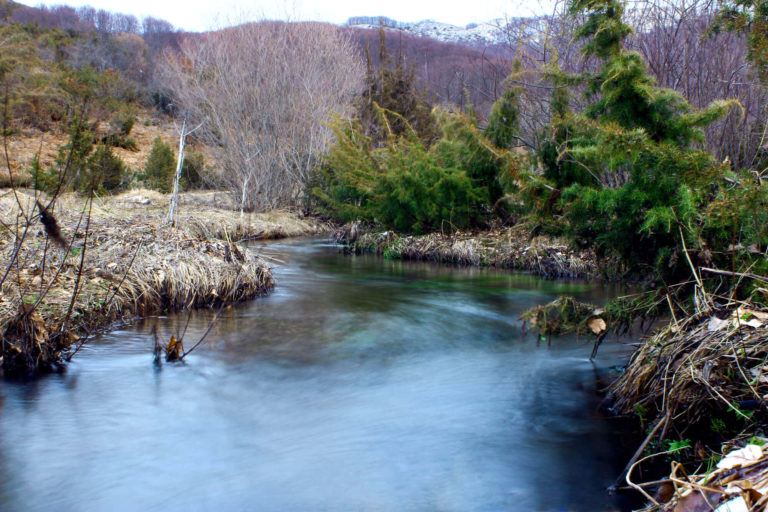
{"type": "Point", "coordinates": [183, 134]}
{"type": "Point", "coordinates": [266, 90]}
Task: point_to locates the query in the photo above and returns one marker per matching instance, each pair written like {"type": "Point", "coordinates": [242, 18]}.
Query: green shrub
{"type": "Point", "coordinates": [628, 179]}
{"type": "Point", "coordinates": [119, 130]}
{"type": "Point", "coordinates": [504, 123]}
{"type": "Point", "coordinates": [642, 220]}
{"type": "Point", "coordinates": [192, 171]}
{"type": "Point", "coordinates": [160, 167]}
{"type": "Point", "coordinates": [42, 179]}
{"type": "Point", "coordinates": [130, 144]}
{"type": "Point", "coordinates": [105, 172]}
{"type": "Point", "coordinates": [735, 230]}
{"type": "Point", "coordinates": [408, 187]}
{"type": "Point", "coordinates": [393, 87]}
{"type": "Point", "coordinates": [69, 165]}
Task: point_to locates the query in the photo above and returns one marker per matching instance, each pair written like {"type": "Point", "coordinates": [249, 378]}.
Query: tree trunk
{"type": "Point", "coordinates": [177, 176]}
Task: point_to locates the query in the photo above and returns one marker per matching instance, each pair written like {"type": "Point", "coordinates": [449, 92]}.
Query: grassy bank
{"type": "Point", "coordinates": [118, 259]}
{"type": "Point", "coordinates": [506, 247]}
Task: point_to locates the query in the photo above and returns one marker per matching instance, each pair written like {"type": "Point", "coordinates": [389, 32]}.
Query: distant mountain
{"type": "Point", "coordinates": [488, 33]}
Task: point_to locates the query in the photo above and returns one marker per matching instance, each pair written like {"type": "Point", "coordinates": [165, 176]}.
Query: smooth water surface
{"type": "Point", "coordinates": [359, 384]}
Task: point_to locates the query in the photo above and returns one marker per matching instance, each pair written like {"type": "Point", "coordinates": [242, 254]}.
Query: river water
{"type": "Point", "coordinates": [359, 384]}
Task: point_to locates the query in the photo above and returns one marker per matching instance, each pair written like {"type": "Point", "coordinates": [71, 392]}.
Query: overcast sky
{"type": "Point", "coordinates": [204, 14]}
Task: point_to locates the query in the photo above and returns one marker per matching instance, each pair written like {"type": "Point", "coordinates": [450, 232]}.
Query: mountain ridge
{"type": "Point", "coordinates": [490, 32]}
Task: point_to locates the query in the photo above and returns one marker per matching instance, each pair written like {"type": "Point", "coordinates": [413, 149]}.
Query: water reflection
{"type": "Point", "coordinates": [359, 384]}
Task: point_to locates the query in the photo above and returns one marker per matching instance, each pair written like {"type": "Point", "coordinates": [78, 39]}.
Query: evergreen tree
{"type": "Point", "coordinates": [70, 163]}
{"type": "Point", "coordinates": [160, 167]}
{"type": "Point", "coordinates": [638, 181]}
{"type": "Point", "coordinates": [192, 171]}
{"type": "Point", "coordinates": [105, 171]}
{"type": "Point", "coordinates": [393, 87]}
{"type": "Point", "coordinates": [504, 123]}
{"type": "Point", "coordinates": [624, 92]}
{"type": "Point", "coordinates": [751, 18]}
{"type": "Point", "coordinates": [408, 186]}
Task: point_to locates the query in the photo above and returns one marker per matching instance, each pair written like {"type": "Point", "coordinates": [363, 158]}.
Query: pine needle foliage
{"type": "Point", "coordinates": [627, 171]}
{"type": "Point", "coordinates": [70, 163]}
{"type": "Point", "coordinates": [407, 186]}
{"type": "Point", "coordinates": [105, 172]}
{"type": "Point", "coordinates": [751, 18]}
{"type": "Point", "coordinates": [160, 167]}
{"type": "Point", "coordinates": [393, 87]}
{"type": "Point", "coordinates": [504, 122]}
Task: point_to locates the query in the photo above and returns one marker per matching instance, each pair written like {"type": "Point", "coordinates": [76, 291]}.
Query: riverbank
{"type": "Point", "coordinates": [700, 386]}
{"type": "Point", "coordinates": [504, 247]}
{"type": "Point", "coordinates": [77, 269]}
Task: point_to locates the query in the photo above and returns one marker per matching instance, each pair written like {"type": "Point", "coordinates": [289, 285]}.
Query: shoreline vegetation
{"type": "Point", "coordinates": [119, 260]}
{"type": "Point", "coordinates": [510, 248]}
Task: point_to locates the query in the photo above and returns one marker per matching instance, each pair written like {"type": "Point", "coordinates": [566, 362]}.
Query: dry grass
{"type": "Point", "coordinates": [739, 482]}
{"type": "Point", "coordinates": [701, 365]}
{"type": "Point", "coordinates": [22, 147]}
{"type": "Point", "coordinates": [505, 248]}
{"type": "Point", "coordinates": [133, 265]}
{"type": "Point", "coordinates": [703, 376]}
{"type": "Point", "coordinates": [209, 214]}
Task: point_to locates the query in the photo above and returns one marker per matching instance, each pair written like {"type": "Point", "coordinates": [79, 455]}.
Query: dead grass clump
{"type": "Point", "coordinates": [249, 226]}
{"type": "Point", "coordinates": [565, 315]}
{"type": "Point", "coordinates": [704, 376]}
{"type": "Point", "coordinates": [504, 247]}
{"type": "Point", "coordinates": [25, 343]}
{"type": "Point", "coordinates": [720, 359]}
{"type": "Point", "coordinates": [113, 265]}
{"type": "Point", "coordinates": [20, 178]}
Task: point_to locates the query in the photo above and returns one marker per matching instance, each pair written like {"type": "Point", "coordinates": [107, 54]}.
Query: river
{"type": "Point", "coordinates": [359, 384]}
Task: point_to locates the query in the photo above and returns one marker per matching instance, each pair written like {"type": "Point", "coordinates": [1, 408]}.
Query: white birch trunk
{"type": "Point", "coordinates": [177, 177]}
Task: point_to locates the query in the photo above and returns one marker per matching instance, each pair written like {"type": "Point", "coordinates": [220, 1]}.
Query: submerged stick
{"type": "Point", "coordinates": [598, 341]}
{"type": "Point", "coordinates": [215, 318]}
{"type": "Point", "coordinates": [639, 452]}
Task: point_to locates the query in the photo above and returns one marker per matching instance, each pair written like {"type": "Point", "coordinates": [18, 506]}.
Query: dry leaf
{"type": "Point", "coordinates": [715, 324]}
{"type": "Point", "coordinates": [597, 324]}
{"type": "Point", "coordinates": [173, 350]}
{"type": "Point", "coordinates": [743, 456]}
{"type": "Point", "coordinates": [734, 505]}
{"type": "Point", "coordinates": [693, 502]}
{"type": "Point", "coordinates": [745, 313]}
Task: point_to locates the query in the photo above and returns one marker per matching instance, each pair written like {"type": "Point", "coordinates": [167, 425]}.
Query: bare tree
{"type": "Point", "coordinates": [672, 37]}
{"type": "Point", "coordinates": [183, 132]}
{"type": "Point", "coordinates": [266, 90]}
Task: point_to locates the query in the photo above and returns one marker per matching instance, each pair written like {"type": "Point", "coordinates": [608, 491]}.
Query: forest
{"type": "Point", "coordinates": [606, 140]}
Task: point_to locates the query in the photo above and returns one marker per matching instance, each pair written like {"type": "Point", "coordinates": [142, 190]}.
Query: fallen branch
{"type": "Point", "coordinates": [734, 274]}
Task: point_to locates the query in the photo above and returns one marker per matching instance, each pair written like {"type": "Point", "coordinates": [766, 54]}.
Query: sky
{"type": "Point", "coordinates": [205, 14]}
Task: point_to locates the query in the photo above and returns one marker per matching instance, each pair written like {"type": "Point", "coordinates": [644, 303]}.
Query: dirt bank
{"type": "Point", "coordinates": [23, 146]}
